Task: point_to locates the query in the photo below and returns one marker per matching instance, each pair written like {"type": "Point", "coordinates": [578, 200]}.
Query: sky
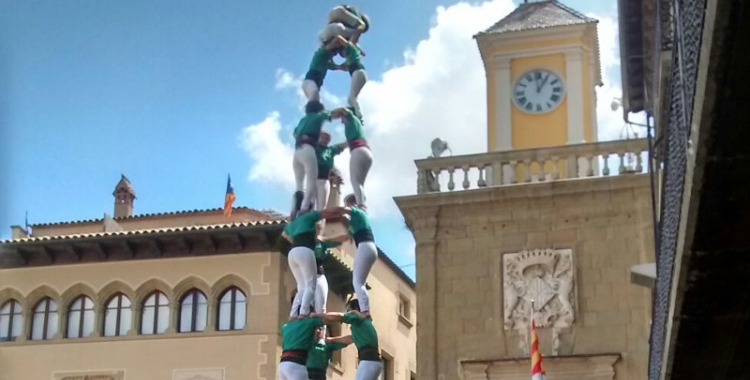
{"type": "Point", "coordinates": [178, 94]}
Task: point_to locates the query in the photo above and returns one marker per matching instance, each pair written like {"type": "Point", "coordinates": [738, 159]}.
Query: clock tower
{"type": "Point", "coordinates": [542, 67]}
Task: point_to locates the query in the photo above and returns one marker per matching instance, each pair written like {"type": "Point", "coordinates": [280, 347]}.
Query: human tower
{"type": "Point", "coordinates": [306, 351]}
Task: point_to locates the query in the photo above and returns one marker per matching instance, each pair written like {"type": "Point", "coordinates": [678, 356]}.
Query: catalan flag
{"type": "Point", "coordinates": [229, 198]}
{"type": "Point", "coordinates": [537, 373]}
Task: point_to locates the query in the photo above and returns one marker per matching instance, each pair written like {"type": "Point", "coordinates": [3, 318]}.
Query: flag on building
{"type": "Point", "coordinates": [537, 373]}
{"type": "Point", "coordinates": [26, 226]}
{"type": "Point", "coordinates": [229, 198]}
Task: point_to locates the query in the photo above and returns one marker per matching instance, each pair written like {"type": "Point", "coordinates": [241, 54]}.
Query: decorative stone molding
{"type": "Point", "coordinates": [573, 367]}
{"type": "Point", "coordinates": [74, 292]}
{"type": "Point", "coordinates": [38, 294]}
{"type": "Point", "coordinates": [11, 294]}
{"type": "Point", "coordinates": [101, 298]}
{"type": "Point", "coordinates": [150, 286]}
{"type": "Point", "coordinates": [228, 281]}
{"type": "Point", "coordinates": [545, 277]}
{"type": "Point", "coordinates": [198, 374]}
{"type": "Point", "coordinates": [113, 288]}
{"type": "Point", "coordinates": [98, 375]}
{"type": "Point", "coordinates": [190, 283]}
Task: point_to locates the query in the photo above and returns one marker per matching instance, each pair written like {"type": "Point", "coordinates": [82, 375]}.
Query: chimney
{"type": "Point", "coordinates": [18, 232]}
{"type": "Point", "coordinates": [124, 197]}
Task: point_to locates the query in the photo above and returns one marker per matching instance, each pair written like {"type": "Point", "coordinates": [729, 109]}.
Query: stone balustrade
{"type": "Point", "coordinates": [511, 167]}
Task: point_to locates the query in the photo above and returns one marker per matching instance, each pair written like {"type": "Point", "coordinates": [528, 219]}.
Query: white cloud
{"type": "Point", "coordinates": [439, 91]}
{"type": "Point", "coordinates": [270, 156]}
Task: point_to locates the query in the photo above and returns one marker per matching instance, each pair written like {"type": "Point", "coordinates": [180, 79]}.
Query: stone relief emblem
{"type": "Point", "coordinates": [545, 277]}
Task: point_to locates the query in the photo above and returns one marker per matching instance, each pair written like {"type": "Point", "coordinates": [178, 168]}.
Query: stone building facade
{"type": "Point", "coordinates": [182, 295]}
{"type": "Point", "coordinates": [543, 225]}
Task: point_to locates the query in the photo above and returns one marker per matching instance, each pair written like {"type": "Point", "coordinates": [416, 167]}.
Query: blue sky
{"type": "Point", "coordinates": [170, 93]}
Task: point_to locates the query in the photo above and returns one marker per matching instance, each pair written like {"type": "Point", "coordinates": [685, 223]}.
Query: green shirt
{"type": "Point", "coordinates": [363, 332]}
{"type": "Point", "coordinates": [299, 334]}
{"type": "Point", "coordinates": [353, 127]}
{"type": "Point", "coordinates": [359, 221]}
{"type": "Point", "coordinates": [320, 355]}
{"type": "Point", "coordinates": [325, 157]}
{"type": "Point", "coordinates": [322, 60]}
{"type": "Point", "coordinates": [304, 223]}
{"type": "Point", "coordinates": [321, 250]}
{"type": "Point", "coordinates": [353, 55]}
{"type": "Point", "coordinates": [312, 123]}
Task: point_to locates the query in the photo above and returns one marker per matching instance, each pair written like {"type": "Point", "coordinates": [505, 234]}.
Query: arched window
{"type": "Point", "coordinates": [117, 316]}
{"type": "Point", "coordinates": [81, 318]}
{"type": "Point", "coordinates": [232, 310]}
{"type": "Point", "coordinates": [11, 321]}
{"type": "Point", "coordinates": [193, 311]}
{"type": "Point", "coordinates": [155, 317]}
{"type": "Point", "coordinates": [44, 321]}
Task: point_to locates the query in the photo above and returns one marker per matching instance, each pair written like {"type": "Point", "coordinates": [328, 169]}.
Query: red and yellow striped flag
{"type": "Point", "coordinates": [537, 373]}
{"type": "Point", "coordinates": [229, 198]}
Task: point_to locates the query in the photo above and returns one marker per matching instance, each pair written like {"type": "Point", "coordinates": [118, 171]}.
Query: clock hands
{"type": "Point", "coordinates": [543, 82]}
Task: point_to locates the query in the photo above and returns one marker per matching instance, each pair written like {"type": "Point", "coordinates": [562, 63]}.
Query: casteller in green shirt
{"type": "Point", "coordinates": [322, 252]}
{"type": "Point", "coordinates": [303, 224]}
{"type": "Point", "coordinates": [353, 127]}
{"type": "Point", "coordinates": [311, 124]}
{"type": "Point", "coordinates": [325, 157]}
{"type": "Point", "coordinates": [353, 57]}
{"type": "Point", "coordinates": [359, 220]}
{"type": "Point", "coordinates": [363, 332]}
{"type": "Point", "coordinates": [320, 355]}
{"type": "Point", "coordinates": [299, 334]}
{"type": "Point", "coordinates": [322, 60]}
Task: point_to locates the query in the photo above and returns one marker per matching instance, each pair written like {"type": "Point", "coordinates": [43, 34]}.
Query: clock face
{"type": "Point", "coordinates": [538, 91]}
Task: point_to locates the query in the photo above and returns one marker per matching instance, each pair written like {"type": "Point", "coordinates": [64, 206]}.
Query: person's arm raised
{"type": "Point", "coordinates": [346, 340]}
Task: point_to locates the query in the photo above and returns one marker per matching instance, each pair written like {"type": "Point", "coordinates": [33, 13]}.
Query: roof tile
{"type": "Point", "coordinates": [271, 213]}
{"type": "Point", "coordinates": [538, 15]}
{"type": "Point", "coordinates": [146, 231]}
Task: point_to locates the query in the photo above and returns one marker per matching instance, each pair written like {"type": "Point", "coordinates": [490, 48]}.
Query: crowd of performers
{"type": "Point", "coordinates": [306, 349]}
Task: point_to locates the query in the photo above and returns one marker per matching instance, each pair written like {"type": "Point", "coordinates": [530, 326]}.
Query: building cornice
{"type": "Point", "coordinates": [411, 205]}
{"type": "Point", "coordinates": [140, 244]}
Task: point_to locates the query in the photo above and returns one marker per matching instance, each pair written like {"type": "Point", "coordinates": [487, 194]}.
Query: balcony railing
{"type": "Point", "coordinates": [504, 168]}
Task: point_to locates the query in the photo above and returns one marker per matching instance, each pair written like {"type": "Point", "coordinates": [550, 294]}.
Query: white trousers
{"type": "Point", "coordinates": [321, 294]}
{"type": "Point", "coordinates": [323, 189]}
{"type": "Point", "coordinates": [292, 371]}
{"type": "Point", "coordinates": [368, 370]}
{"type": "Point", "coordinates": [305, 166]}
{"type": "Point", "coordinates": [321, 297]}
{"type": "Point", "coordinates": [311, 90]}
{"type": "Point", "coordinates": [359, 78]}
{"type": "Point", "coordinates": [302, 263]}
{"type": "Point", "coordinates": [359, 165]}
{"type": "Point", "coordinates": [334, 29]}
{"type": "Point", "coordinates": [364, 259]}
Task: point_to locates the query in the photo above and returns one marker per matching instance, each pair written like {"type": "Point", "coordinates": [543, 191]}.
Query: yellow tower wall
{"type": "Point", "coordinates": [546, 52]}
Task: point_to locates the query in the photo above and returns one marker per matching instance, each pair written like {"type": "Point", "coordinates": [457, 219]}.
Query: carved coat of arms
{"type": "Point", "coordinates": [544, 278]}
